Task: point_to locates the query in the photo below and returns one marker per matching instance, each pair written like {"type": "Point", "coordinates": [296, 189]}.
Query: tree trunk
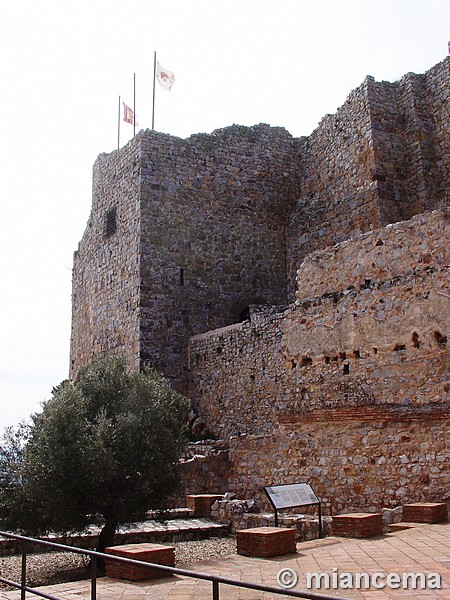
{"type": "Point", "coordinates": [106, 539]}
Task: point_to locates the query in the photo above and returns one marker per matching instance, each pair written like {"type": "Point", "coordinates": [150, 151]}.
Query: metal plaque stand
{"type": "Point", "coordinates": [294, 495]}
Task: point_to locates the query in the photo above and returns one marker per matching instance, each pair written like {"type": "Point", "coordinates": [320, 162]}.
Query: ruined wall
{"type": "Point", "coordinates": [357, 464]}
{"type": "Point", "coordinates": [410, 140]}
{"type": "Point", "coordinates": [209, 225]}
{"type": "Point", "coordinates": [437, 81]}
{"type": "Point", "coordinates": [105, 279]}
{"type": "Point", "coordinates": [381, 158]}
{"type": "Point", "coordinates": [362, 356]}
{"type": "Point", "coordinates": [213, 216]}
{"type": "Point", "coordinates": [338, 196]}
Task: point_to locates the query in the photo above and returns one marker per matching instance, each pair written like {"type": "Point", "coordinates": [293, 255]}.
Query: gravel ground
{"type": "Point", "coordinates": [59, 567]}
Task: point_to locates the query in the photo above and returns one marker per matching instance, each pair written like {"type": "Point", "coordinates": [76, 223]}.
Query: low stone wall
{"type": "Point", "coordinates": [244, 514]}
{"type": "Point", "coordinates": [353, 465]}
{"type": "Point", "coordinates": [234, 513]}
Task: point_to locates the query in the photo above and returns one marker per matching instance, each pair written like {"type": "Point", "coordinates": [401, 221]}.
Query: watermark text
{"type": "Point", "coordinates": [343, 580]}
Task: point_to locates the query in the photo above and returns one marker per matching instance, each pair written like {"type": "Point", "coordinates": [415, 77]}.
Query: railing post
{"type": "Point", "coordinates": [93, 578]}
{"type": "Point", "coordinates": [215, 586]}
{"type": "Point", "coordinates": [23, 581]}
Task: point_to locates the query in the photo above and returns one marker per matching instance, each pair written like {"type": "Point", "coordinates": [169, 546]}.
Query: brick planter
{"type": "Point", "coordinates": [152, 553]}
{"type": "Point", "coordinates": [264, 542]}
{"type": "Point", "coordinates": [201, 503]}
{"type": "Point", "coordinates": [357, 525]}
{"type": "Point", "coordinates": [425, 512]}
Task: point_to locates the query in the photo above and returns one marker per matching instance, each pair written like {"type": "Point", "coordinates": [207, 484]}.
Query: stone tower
{"type": "Point", "coordinates": [185, 236]}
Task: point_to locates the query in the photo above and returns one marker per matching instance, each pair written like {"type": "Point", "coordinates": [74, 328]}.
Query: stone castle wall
{"type": "Point", "coordinates": [330, 382]}
{"type": "Point", "coordinates": [337, 373]}
{"type": "Point", "coordinates": [381, 158]}
{"type": "Point", "coordinates": [410, 140]}
{"type": "Point", "coordinates": [213, 210]}
{"type": "Point", "coordinates": [200, 235]}
{"type": "Point", "coordinates": [338, 197]}
{"type": "Point", "coordinates": [353, 465]}
{"type": "Point", "coordinates": [212, 224]}
{"type": "Point", "coordinates": [105, 279]}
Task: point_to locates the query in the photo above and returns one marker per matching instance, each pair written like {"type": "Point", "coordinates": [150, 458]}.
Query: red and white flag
{"type": "Point", "coordinates": [165, 77]}
{"type": "Point", "coordinates": [128, 115]}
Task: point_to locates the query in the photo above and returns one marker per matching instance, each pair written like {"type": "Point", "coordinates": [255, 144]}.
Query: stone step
{"type": "Point", "coordinates": [170, 514]}
{"type": "Point", "coordinates": [151, 531]}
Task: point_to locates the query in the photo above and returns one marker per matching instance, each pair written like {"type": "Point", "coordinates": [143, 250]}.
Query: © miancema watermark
{"type": "Point", "coordinates": [342, 580]}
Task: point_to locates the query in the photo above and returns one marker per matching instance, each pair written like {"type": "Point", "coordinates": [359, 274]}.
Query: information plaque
{"type": "Point", "coordinates": [288, 496]}
{"type": "Point", "coordinates": [292, 495]}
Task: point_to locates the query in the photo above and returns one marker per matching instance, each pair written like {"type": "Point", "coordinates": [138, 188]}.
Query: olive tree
{"type": "Point", "coordinates": [107, 444]}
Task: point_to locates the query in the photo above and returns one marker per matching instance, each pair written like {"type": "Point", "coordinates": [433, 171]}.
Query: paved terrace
{"type": "Point", "coordinates": [424, 548]}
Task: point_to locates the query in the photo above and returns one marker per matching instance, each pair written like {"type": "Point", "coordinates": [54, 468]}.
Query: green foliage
{"type": "Point", "coordinates": [107, 444]}
{"type": "Point", "coordinates": [11, 466]}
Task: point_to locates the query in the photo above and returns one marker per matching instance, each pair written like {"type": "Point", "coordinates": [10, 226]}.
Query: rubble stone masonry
{"type": "Point", "coordinates": [105, 291]}
{"type": "Point", "coordinates": [185, 235]}
{"type": "Point", "coordinates": [349, 388]}
{"type": "Point", "coordinates": [296, 289]}
{"type": "Point", "coordinates": [382, 157]}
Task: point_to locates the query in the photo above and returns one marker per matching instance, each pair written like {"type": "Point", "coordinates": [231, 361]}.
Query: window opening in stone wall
{"type": "Point", "coordinates": [244, 315]}
{"type": "Point", "coordinates": [181, 276]}
{"type": "Point", "coordinates": [110, 223]}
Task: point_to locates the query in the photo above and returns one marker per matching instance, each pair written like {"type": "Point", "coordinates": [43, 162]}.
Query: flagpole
{"type": "Point", "coordinates": [134, 104]}
{"type": "Point", "coordinates": [154, 81]}
{"type": "Point", "coordinates": [118, 127]}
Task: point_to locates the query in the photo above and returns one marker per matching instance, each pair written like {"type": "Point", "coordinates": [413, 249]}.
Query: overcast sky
{"type": "Point", "coordinates": [63, 66]}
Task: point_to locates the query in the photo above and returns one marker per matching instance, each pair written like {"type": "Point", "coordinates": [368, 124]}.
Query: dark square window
{"type": "Point", "coordinates": [110, 223]}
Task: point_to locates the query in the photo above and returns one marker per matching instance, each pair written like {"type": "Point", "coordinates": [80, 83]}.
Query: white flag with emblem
{"type": "Point", "coordinates": [165, 78]}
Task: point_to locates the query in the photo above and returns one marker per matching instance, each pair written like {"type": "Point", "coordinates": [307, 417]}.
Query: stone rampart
{"type": "Point", "coordinates": [352, 465]}
{"type": "Point", "coordinates": [415, 247]}
{"type": "Point", "coordinates": [357, 358]}
{"type": "Point", "coordinates": [381, 158]}
{"type": "Point", "coordinates": [338, 197]}
{"type": "Point", "coordinates": [184, 235]}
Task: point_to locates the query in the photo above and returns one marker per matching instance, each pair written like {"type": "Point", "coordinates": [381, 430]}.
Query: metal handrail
{"type": "Point", "coordinates": [215, 579]}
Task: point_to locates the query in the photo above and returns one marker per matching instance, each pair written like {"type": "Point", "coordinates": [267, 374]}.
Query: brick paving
{"type": "Point", "coordinates": [424, 548]}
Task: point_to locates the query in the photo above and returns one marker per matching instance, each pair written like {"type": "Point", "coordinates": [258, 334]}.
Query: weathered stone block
{"type": "Point", "coordinates": [425, 512]}
{"type": "Point", "coordinates": [151, 553]}
{"type": "Point", "coordinates": [201, 503]}
{"type": "Point", "coordinates": [264, 542]}
{"type": "Point", "coordinates": [358, 525]}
